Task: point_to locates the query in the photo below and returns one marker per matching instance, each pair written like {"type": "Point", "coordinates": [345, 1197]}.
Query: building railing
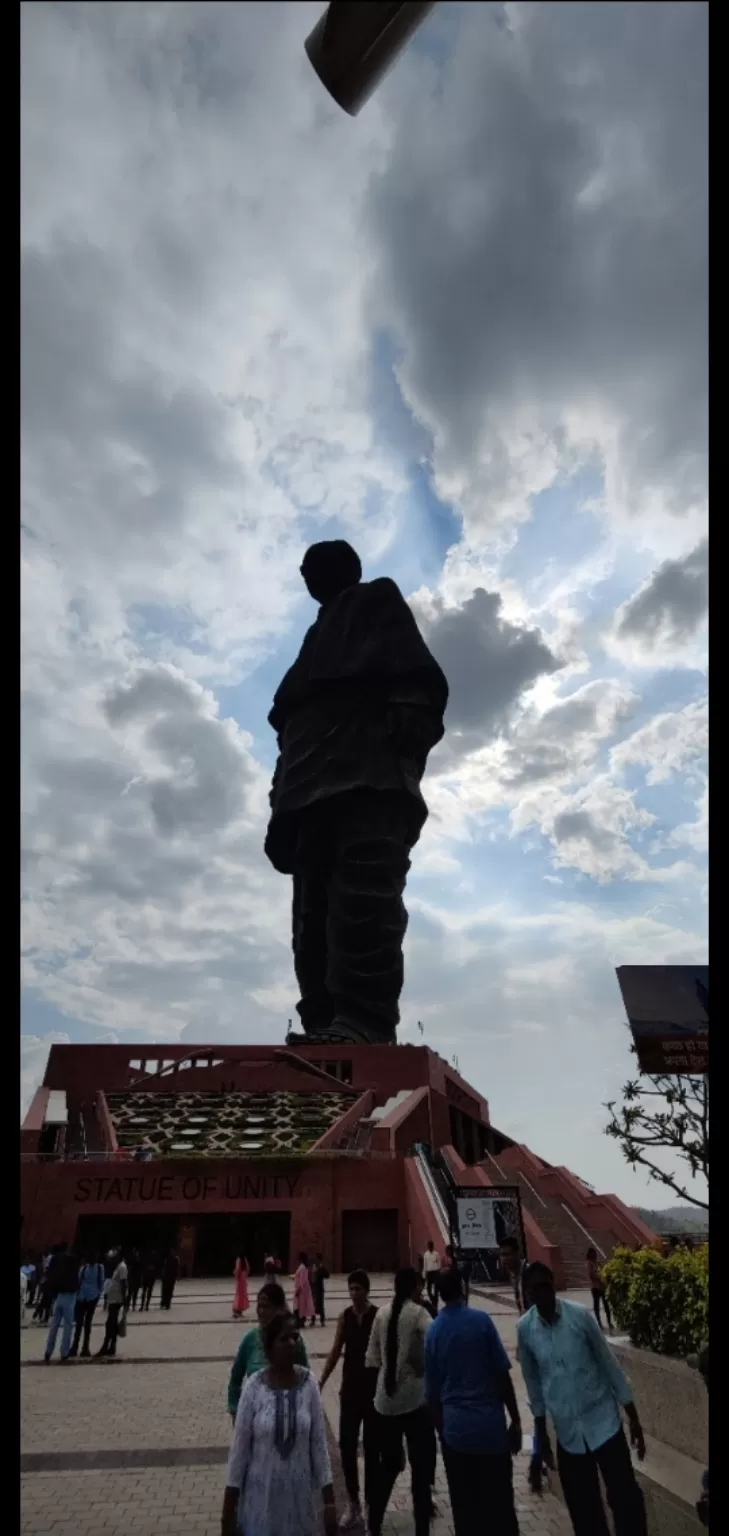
{"type": "Point", "coordinates": [80, 1157]}
{"type": "Point", "coordinates": [279, 1155]}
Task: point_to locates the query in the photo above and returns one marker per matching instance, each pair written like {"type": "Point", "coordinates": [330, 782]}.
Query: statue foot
{"type": "Point", "coordinates": [339, 1032]}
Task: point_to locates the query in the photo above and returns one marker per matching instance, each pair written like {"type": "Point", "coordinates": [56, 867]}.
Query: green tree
{"type": "Point", "coordinates": [665, 1114]}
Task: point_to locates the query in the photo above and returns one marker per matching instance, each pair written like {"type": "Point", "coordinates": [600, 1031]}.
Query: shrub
{"type": "Point", "coordinates": [662, 1304]}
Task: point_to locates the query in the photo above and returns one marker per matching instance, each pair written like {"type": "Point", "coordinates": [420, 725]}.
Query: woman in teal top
{"type": "Point", "coordinates": [251, 1356]}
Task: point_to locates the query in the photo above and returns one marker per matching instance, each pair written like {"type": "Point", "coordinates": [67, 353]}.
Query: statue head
{"type": "Point", "coordinates": [329, 568]}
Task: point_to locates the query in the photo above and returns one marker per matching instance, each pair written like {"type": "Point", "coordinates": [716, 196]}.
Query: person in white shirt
{"type": "Point", "coordinates": [116, 1297]}
{"type": "Point", "coordinates": [397, 1350]}
{"type": "Point", "coordinates": [431, 1266]}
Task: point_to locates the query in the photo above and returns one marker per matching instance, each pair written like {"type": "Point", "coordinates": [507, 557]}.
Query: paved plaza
{"type": "Point", "coordinates": [138, 1445]}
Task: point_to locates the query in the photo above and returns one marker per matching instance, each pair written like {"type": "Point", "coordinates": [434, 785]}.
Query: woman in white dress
{"type": "Point", "coordinates": [279, 1472]}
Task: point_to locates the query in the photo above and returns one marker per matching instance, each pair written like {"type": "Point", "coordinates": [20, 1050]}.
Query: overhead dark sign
{"type": "Point", "coordinates": [668, 1013]}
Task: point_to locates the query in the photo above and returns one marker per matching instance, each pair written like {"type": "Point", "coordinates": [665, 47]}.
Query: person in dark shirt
{"type": "Point", "coordinates": [63, 1282]}
{"type": "Point", "coordinates": [45, 1297]}
{"type": "Point", "coordinates": [357, 1393]}
{"type": "Point", "coordinates": [135, 1278]}
{"type": "Point", "coordinates": [516, 1269]}
{"type": "Point", "coordinates": [597, 1288]}
{"type": "Point", "coordinates": [170, 1271]}
{"type": "Point", "coordinates": [469, 1391]}
{"type": "Point", "coordinates": [150, 1271]}
{"type": "Point", "coordinates": [318, 1274]}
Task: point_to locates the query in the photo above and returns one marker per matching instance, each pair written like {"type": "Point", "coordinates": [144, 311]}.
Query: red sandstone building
{"type": "Point", "coordinates": [344, 1150]}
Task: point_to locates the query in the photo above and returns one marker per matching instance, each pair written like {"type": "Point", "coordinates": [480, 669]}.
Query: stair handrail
{"type": "Point", "coordinates": [591, 1240]}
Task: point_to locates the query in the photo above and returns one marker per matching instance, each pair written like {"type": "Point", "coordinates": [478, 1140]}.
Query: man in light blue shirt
{"type": "Point", "coordinates": [469, 1391]}
{"type": "Point", "coordinates": [571, 1374]}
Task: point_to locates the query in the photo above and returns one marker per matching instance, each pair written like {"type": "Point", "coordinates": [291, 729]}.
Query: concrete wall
{"type": "Point", "coordinates": [668, 1512]}
{"type": "Point", "coordinates": [673, 1404]}
{"type": "Point", "coordinates": [404, 1125]}
{"type": "Point", "coordinates": [671, 1399]}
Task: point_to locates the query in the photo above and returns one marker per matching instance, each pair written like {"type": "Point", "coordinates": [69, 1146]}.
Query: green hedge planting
{"type": "Point", "coordinates": [662, 1304]}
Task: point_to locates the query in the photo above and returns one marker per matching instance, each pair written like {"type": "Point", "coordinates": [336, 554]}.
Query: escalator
{"type": "Point", "coordinates": [443, 1178]}
{"type": "Point", "coordinates": [436, 1194]}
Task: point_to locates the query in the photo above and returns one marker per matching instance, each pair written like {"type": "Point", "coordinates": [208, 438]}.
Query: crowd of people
{"type": "Point", "coordinates": [423, 1369]}
{"type": "Point", "coordinates": [64, 1289]}
{"type": "Point", "coordinates": [427, 1368]}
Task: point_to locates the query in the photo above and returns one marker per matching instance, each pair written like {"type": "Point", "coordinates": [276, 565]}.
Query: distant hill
{"type": "Point", "coordinates": [676, 1218]}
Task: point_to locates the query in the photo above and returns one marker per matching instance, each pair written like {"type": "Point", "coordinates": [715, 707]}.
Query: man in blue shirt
{"type": "Point", "coordinates": [572, 1375]}
{"type": "Point", "coordinates": [468, 1387]}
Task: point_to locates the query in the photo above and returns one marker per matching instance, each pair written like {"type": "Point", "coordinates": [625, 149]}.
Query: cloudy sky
{"type": "Point", "coordinates": [467, 331]}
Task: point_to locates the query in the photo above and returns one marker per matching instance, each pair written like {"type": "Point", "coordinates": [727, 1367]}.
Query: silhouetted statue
{"type": "Point", "coordinates": [355, 716]}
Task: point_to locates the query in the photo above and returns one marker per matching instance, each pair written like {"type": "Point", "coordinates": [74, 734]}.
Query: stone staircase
{"type": "Point", "coordinates": [557, 1222]}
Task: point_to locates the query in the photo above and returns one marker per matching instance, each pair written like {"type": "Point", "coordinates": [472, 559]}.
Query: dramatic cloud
{"type": "Point", "coordinates": [204, 759]}
{"type": "Point", "coordinates": [488, 661]}
{"type": "Point", "coordinates": [148, 903]}
{"type": "Point", "coordinates": [561, 743]}
{"type": "Point", "coordinates": [671, 606]}
{"type": "Point", "coordinates": [668, 744]}
{"type": "Point", "coordinates": [542, 221]}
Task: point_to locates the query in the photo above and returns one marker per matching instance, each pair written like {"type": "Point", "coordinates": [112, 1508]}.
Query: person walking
{"type": "Point", "coordinates": [317, 1275]}
{"type": "Point", "coordinates": [469, 1391]}
{"type": "Point", "coordinates": [431, 1266]}
{"type": "Point", "coordinates": [597, 1288]}
{"type": "Point", "coordinates": [135, 1278]}
{"type": "Point", "coordinates": [28, 1269]}
{"type": "Point", "coordinates": [397, 1350]}
{"type": "Point", "coordinates": [303, 1299]}
{"type": "Point", "coordinates": [251, 1356]}
{"type": "Point", "coordinates": [32, 1272]}
{"type": "Point", "coordinates": [149, 1278]}
{"type": "Point", "coordinates": [116, 1300]}
{"type": "Point", "coordinates": [516, 1268]}
{"type": "Point", "coordinates": [279, 1472]}
{"type": "Point", "coordinates": [272, 1266]}
{"type": "Point", "coordinates": [356, 1395]}
{"type": "Point", "coordinates": [44, 1301]}
{"type": "Point", "coordinates": [571, 1374]}
{"type": "Point", "coordinates": [170, 1271]}
{"type": "Point", "coordinates": [90, 1287]}
{"type": "Point", "coordinates": [241, 1299]}
{"type": "Point", "coordinates": [63, 1285]}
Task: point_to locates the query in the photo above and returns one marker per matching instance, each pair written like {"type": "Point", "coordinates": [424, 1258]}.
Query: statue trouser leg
{"type": "Point", "coordinates": [366, 916]}
{"type": "Point", "coordinates": [310, 945]}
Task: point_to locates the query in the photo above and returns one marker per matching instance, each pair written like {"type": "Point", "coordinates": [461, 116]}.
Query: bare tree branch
{"type": "Point", "coordinates": [681, 1127]}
